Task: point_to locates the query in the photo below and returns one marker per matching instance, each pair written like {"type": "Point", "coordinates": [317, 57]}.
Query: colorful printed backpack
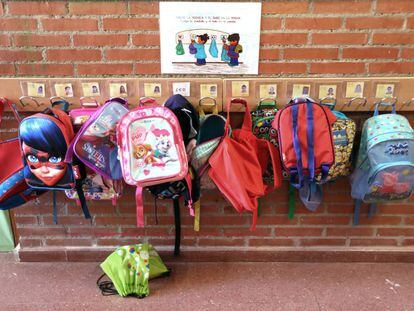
{"type": "Point", "coordinates": [96, 187]}
{"type": "Point", "coordinates": [385, 164]}
{"type": "Point", "coordinates": [306, 146]}
{"type": "Point", "coordinates": [305, 140]}
{"type": "Point", "coordinates": [151, 149]}
{"type": "Point", "coordinates": [14, 190]}
{"type": "Point", "coordinates": [81, 115]}
{"type": "Point", "coordinates": [343, 132]}
{"type": "Point", "coordinates": [95, 144]}
{"type": "Point", "coordinates": [44, 139]}
{"type": "Point", "coordinates": [262, 119]}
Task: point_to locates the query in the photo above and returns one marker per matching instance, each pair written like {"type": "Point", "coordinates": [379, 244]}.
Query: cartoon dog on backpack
{"type": "Point", "coordinates": [162, 145]}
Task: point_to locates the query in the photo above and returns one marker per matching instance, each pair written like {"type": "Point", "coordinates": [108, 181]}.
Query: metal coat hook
{"type": "Point", "coordinates": [23, 98]}
{"type": "Point", "coordinates": [408, 102]}
{"type": "Point", "coordinates": [329, 101]}
{"type": "Point", "coordinates": [362, 103]}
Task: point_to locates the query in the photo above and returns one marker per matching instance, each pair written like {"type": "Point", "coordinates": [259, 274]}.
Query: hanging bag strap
{"type": "Point", "coordinates": [202, 102]}
{"type": "Point", "coordinates": [277, 172]}
{"type": "Point", "coordinates": [3, 102]}
{"type": "Point", "coordinates": [140, 207]}
{"type": "Point", "coordinates": [247, 121]}
{"type": "Point", "coordinates": [384, 102]}
{"type": "Point", "coordinates": [311, 145]}
{"type": "Point", "coordinates": [296, 172]}
{"type": "Point", "coordinates": [79, 189]}
{"type": "Point", "coordinates": [357, 208]}
{"type": "Point", "coordinates": [177, 221]}
{"type": "Point", "coordinates": [190, 191]}
{"type": "Point", "coordinates": [60, 101]}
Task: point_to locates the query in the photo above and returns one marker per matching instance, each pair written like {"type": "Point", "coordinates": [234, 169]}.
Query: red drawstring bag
{"type": "Point", "coordinates": [239, 162]}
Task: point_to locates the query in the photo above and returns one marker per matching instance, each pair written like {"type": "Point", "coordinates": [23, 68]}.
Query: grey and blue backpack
{"type": "Point", "coordinates": [385, 164]}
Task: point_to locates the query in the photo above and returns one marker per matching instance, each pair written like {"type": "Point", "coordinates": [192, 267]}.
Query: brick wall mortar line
{"type": "Point", "coordinates": [404, 26]}
{"type": "Point", "coordinates": [311, 7]}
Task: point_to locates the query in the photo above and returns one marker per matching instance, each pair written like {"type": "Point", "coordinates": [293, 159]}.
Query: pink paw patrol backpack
{"type": "Point", "coordinates": [151, 149]}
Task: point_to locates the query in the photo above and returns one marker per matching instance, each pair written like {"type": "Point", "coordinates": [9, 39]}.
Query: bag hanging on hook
{"type": "Point", "coordinates": [179, 49]}
{"type": "Point", "coordinates": [224, 56]}
{"type": "Point", "coordinates": [213, 48]}
{"type": "Point", "coordinates": [385, 164]}
{"type": "Point", "coordinates": [44, 140]}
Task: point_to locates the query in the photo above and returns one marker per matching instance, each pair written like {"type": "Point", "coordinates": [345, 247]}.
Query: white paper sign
{"type": "Point", "coordinates": [182, 88]}
{"type": "Point", "coordinates": [210, 37]}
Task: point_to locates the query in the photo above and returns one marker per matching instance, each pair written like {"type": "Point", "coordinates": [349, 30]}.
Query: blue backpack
{"type": "Point", "coordinates": [385, 164]}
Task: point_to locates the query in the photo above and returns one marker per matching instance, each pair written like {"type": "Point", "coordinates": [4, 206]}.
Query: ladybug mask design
{"type": "Point", "coordinates": [48, 168]}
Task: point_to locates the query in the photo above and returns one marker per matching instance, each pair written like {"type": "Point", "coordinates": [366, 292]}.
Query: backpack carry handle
{"type": "Point", "coordinates": [391, 101]}
{"type": "Point", "coordinates": [202, 102]}
{"type": "Point", "coordinates": [122, 101]}
{"type": "Point", "coordinates": [238, 100]}
{"type": "Point", "coordinates": [146, 101]}
{"type": "Point", "coordinates": [329, 102]}
{"type": "Point", "coordinates": [23, 102]}
{"type": "Point", "coordinates": [3, 102]}
{"type": "Point", "coordinates": [300, 100]}
{"type": "Point", "coordinates": [267, 102]}
{"type": "Point", "coordinates": [57, 101]}
{"type": "Point", "coordinates": [247, 120]}
{"type": "Point", "coordinates": [93, 104]}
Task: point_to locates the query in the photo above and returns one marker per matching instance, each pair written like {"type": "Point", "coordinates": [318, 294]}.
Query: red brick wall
{"type": "Point", "coordinates": [59, 38]}
{"type": "Point", "coordinates": [299, 38]}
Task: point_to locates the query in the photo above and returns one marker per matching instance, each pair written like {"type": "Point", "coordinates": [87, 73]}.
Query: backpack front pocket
{"type": "Point", "coordinates": [391, 182]}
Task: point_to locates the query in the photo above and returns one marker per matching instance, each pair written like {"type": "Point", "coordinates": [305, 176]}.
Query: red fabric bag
{"type": "Point", "coordinates": [239, 162]}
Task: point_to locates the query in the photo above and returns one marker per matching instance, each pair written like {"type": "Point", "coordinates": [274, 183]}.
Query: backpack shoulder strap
{"type": "Point", "coordinates": [177, 221]}
{"type": "Point", "coordinates": [140, 207]}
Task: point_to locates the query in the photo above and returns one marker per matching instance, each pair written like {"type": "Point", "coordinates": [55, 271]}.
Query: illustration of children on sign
{"type": "Point", "coordinates": [233, 49]}
{"type": "Point", "coordinates": [198, 49]}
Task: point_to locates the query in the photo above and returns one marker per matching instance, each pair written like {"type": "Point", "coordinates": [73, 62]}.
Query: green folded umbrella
{"type": "Point", "coordinates": [130, 268]}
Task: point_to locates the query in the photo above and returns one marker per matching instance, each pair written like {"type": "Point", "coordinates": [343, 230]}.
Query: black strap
{"type": "Point", "coordinates": [177, 221]}
{"type": "Point", "coordinates": [156, 210]}
{"type": "Point", "coordinates": [82, 199]}
{"type": "Point", "coordinates": [107, 287]}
